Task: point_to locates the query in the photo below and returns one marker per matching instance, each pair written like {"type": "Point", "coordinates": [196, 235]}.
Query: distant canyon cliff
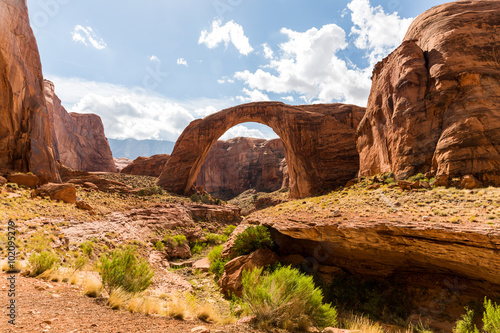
{"type": "Point", "coordinates": [231, 167]}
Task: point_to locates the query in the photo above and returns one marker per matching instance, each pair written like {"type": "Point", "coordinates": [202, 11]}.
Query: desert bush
{"type": "Point", "coordinates": [41, 262]}
{"type": "Point", "coordinates": [159, 246]}
{"type": "Point", "coordinates": [206, 199]}
{"type": "Point", "coordinates": [229, 230]}
{"type": "Point", "coordinates": [491, 319]}
{"type": "Point", "coordinates": [252, 239]}
{"type": "Point", "coordinates": [418, 176]}
{"type": "Point", "coordinates": [87, 248]}
{"type": "Point", "coordinates": [216, 261]}
{"type": "Point", "coordinates": [123, 269]}
{"type": "Point", "coordinates": [197, 247]}
{"type": "Point", "coordinates": [195, 198]}
{"type": "Point", "coordinates": [215, 239]}
{"type": "Point", "coordinates": [285, 298]}
{"type": "Point", "coordinates": [92, 287]}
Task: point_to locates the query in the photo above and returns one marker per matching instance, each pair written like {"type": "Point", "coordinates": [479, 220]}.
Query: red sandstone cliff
{"type": "Point", "coordinates": [435, 101]}
{"type": "Point", "coordinates": [239, 164]}
{"type": "Point", "coordinates": [147, 166]}
{"type": "Point", "coordinates": [25, 135]}
{"type": "Point", "coordinates": [79, 139]}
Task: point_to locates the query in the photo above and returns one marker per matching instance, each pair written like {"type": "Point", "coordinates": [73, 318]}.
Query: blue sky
{"type": "Point", "coordinates": [149, 67]}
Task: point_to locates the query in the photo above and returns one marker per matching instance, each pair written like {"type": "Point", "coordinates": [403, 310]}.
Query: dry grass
{"type": "Point", "coordinates": [362, 324]}
{"type": "Point", "coordinates": [118, 299]}
{"type": "Point", "coordinates": [176, 308]}
{"type": "Point", "coordinates": [147, 305]}
{"type": "Point", "coordinates": [18, 267]}
{"type": "Point", "coordinates": [92, 287]}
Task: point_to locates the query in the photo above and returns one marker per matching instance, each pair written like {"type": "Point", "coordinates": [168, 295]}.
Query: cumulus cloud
{"type": "Point", "coordinates": [312, 65]}
{"type": "Point", "coordinates": [377, 32]}
{"type": "Point", "coordinates": [254, 95]}
{"type": "Point", "coordinates": [154, 58]}
{"type": "Point", "coordinates": [230, 32]}
{"type": "Point", "coordinates": [243, 131]}
{"type": "Point", "coordinates": [182, 62]}
{"type": "Point", "coordinates": [87, 37]}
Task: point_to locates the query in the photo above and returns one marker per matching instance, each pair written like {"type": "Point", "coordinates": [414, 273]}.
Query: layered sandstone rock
{"type": "Point", "coordinates": [239, 164]}
{"type": "Point", "coordinates": [25, 136]}
{"type": "Point", "coordinates": [384, 248]}
{"type": "Point", "coordinates": [147, 166]}
{"type": "Point", "coordinates": [435, 101]}
{"type": "Point", "coordinates": [79, 139]}
{"type": "Point", "coordinates": [319, 143]}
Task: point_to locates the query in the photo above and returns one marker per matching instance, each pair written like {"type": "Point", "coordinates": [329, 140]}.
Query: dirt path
{"type": "Point", "coordinates": [60, 307]}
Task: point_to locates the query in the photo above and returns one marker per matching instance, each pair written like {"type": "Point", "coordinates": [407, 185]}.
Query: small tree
{"type": "Point", "coordinates": [123, 269]}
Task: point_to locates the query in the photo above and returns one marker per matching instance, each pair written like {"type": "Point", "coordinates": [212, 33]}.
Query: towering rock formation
{"type": "Point", "coordinates": [435, 101]}
{"type": "Point", "coordinates": [79, 140]}
{"type": "Point", "coordinates": [239, 164]}
{"type": "Point", "coordinates": [25, 135]}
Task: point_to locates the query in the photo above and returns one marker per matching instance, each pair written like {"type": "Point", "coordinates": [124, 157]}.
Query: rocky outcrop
{"type": "Point", "coordinates": [240, 164]}
{"type": "Point", "coordinates": [231, 280]}
{"type": "Point", "coordinates": [319, 143]}
{"type": "Point", "coordinates": [60, 192]}
{"type": "Point", "coordinates": [435, 101]}
{"type": "Point", "coordinates": [121, 163]}
{"type": "Point", "coordinates": [79, 139]}
{"type": "Point", "coordinates": [25, 136]}
{"type": "Point", "coordinates": [147, 166]}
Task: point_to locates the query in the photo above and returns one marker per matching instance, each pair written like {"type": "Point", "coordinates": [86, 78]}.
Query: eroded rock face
{"type": "Point", "coordinates": [385, 248]}
{"type": "Point", "coordinates": [435, 101]}
{"type": "Point", "coordinates": [239, 164]}
{"type": "Point", "coordinates": [25, 136]}
{"type": "Point", "coordinates": [147, 166]}
{"type": "Point", "coordinates": [319, 143]}
{"type": "Point", "coordinates": [79, 139]}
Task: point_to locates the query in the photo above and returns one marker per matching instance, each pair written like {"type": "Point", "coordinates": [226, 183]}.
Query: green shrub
{"type": "Point", "coordinates": [123, 269]}
{"type": "Point", "coordinates": [195, 198]}
{"type": "Point", "coordinates": [491, 320]}
{"type": "Point", "coordinates": [229, 230]}
{"type": "Point", "coordinates": [87, 248]}
{"type": "Point", "coordinates": [252, 239]}
{"type": "Point", "coordinates": [206, 199]}
{"type": "Point", "coordinates": [197, 247]}
{"type": "Point", "coordinates": [216, 261]}
{"type": "Point", "coordinates": [159, 246]}
{"type": "Point", "coordinates": [215, 239]}
{"type": "Point", "coordinates": [466, 324]}
{"type": "Point", "coordinates": [491, 317]}
{"type": "Point", "coordinates": [285, 299]}
{"type": "Point", "coordinates": [41, 262]}
{"type": "Point", "coordinates": [176, 240]}
{"type": "Point", "coordinates": [418, 176]}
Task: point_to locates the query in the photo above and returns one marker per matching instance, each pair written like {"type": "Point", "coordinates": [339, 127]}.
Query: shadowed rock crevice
{"type": "Point", "coordinates": [319, 143]}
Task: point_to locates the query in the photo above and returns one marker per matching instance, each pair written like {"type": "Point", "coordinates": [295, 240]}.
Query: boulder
{"type": "Point", "coordinates": [202, 265]}
{"type": "Point", "coordinates": [182, 251]}
{"type": "Point", "coordinates": [23, 179]}
{"type": "Point", "coordinates": [63, 192]}
{"type": "Point", "coordinates": [79, 141]}
{"type": "Point", "coordinates": [25, 135]}
{"type": "Point", "coordinates": [470, 182]}
{"type": "Point", "coordinates": [231, 280]}
{"type": "Point", "coordinates": [3, 181]}
{"type": "Point", "coordinates": [319, 143]}
{"type": "Point", "coordinates": [84, 206]}
{"type": "Point", "coordinates": [434, 105]}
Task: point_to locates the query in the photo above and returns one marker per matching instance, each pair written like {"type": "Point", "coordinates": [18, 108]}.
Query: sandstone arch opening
{"type": "Point", "coordinates": [319, 142]}
{"type": "Point", "coordinates": [239, 164]}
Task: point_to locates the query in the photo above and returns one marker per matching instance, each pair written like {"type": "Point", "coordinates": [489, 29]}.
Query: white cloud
{"type": "Point", "coordinates": [229, 32]}
{"type": "Point", "coordinates": [311, 64]}
{"type": "Point", "coordinates": [154, 58]}
{"type": "Point", "coordinates": [182, 62]}
{"type": "Point", "coordinates": [224, 80]}
{"type": "Point", "coordinates": [254, 95]}
{"type": "Point", "coordinates": [132, 112]}
{"type": "Point", "coordinates": [87, 37]}
{"type": "Point", "coordinates": [268, 52]}
{"type": "Point", "coordinates": [378, 33]}
{"type": "Point", "coordinates": [243, 131]}
{"type": "Point", "coordinates": [288, 99]}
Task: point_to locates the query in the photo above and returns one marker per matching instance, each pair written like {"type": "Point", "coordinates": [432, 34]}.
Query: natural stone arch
{"type": "Point", "coordinates": [319, 141]}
